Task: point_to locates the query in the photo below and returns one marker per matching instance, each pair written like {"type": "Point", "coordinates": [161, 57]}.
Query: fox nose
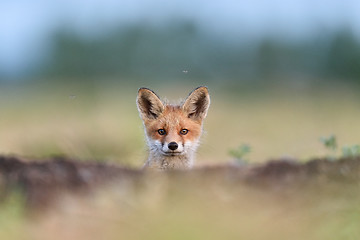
{"type": "Point", "coordinates": [173, 146]}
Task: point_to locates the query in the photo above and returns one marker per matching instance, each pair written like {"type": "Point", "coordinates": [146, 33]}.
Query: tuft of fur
{"type": "Point", "coordinates": [172, 118]}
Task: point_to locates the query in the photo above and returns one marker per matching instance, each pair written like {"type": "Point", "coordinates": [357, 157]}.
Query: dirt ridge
{"type": "Point", "coordinates": [41, 182]}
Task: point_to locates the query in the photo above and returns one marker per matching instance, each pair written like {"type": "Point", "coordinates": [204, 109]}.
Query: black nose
{"type": "Point", "coordinates": [172, 146]}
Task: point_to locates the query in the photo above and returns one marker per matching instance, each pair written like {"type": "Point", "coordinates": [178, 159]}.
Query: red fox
{"type": "Point", "coordinates": [172, 131]}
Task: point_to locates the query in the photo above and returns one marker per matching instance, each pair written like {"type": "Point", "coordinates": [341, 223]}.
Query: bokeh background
{"type": "Point", "coordinates": [281, 74]}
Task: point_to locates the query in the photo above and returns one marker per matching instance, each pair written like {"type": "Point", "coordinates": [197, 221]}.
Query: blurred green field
{"type": "Point", "coordinates": [101, 121]}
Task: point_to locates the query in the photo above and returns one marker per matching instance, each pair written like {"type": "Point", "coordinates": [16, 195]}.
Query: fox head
{"type": "Point", "coordinates": [173, 131]}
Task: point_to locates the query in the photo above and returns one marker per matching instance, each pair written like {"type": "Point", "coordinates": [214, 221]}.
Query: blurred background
{"type": "Point", "coordinates": [281, 74]}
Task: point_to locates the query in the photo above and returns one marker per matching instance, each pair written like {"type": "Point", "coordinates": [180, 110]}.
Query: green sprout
{"type": "Point", "coordinates": [351, 151]}
{"type": "Point", "coordinates": [330, 143]}
{"type": "Point", "coordinates": [240, 152]}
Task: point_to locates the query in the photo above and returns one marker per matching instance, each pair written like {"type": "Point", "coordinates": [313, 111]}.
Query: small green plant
{"type": "Point", "coordinates": [347, 150]}
{"type": "Point", "coordinates": [240, 152]}
{"type": "Point", "coordinates": [351, 151]}
{"type": "Point", "coordinates": [330, 143]}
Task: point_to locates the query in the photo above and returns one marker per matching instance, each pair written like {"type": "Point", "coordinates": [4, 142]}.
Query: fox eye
{"type": "Point", "coordinates": [184, 131]}
{"type": "Point", "coordinates": [162, 131]}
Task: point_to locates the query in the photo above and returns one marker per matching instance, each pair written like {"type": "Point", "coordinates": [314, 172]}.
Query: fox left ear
{"type": "Point", "coordinates": [197, 104]}
{"type": "Point", "coordinates": [149, 104]}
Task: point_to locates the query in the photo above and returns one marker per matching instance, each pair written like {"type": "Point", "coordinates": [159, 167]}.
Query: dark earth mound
{"type": "Point", "coordinates": [41, 182]}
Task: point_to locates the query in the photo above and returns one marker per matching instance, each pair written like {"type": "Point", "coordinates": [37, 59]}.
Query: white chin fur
{"type": "Point", "coordinates": [183, 149]}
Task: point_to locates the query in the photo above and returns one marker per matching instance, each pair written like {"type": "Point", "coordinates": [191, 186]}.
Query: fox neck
{"type": "Point", "coordinates": [157, 160]}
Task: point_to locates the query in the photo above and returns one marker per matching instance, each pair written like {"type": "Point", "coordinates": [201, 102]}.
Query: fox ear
{"type": "Point", "coordinates": [149, 104]}
{"type": "Point", "coordinates": [197, 103]}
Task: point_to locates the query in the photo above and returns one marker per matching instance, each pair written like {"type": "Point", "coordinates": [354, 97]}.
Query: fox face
{"type": "Point", "coordinates": [172, 131]}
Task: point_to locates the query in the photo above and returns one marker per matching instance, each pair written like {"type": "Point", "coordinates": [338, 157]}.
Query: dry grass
{"type": "Point", "coordinates": [102, 123]}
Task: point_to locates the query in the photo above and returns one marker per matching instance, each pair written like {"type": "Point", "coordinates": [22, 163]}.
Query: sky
{"type": "Point", "coordinates": [26, 26]}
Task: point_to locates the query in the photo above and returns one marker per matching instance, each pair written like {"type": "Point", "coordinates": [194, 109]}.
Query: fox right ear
{"type": "Point", "coordinates": [149, 104]}
{"type": "Point", "coordinates": [197, 103]}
